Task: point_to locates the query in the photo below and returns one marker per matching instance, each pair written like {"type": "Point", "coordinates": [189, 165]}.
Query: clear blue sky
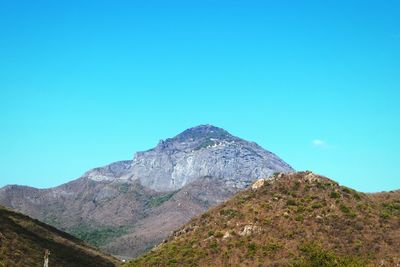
{"type": "Point", "coordinates": [86, 83]}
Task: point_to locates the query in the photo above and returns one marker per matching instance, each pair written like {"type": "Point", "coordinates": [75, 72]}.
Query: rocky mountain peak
{"type": "Point", "coordinates": [204, 132]}
{"type": "Point", "coordinates": [203, 151]}
{"type": "Point", "coordinates": [196, 138]}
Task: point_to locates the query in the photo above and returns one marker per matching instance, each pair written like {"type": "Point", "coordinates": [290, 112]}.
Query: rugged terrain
{"type": "Point", "coordinates": [297, 219]}
{"type": "Point", "coordinates": [129, 206]}
{"type": "Point", "coordinates": [23, 241]}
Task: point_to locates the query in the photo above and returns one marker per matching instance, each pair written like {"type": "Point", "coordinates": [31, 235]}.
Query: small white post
{"type": "Point", "coordinates": [46, 257]}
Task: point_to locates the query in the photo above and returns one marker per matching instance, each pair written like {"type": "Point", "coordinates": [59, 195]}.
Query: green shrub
{"type": "Point", "coordinates": [214, 246]}
{"type": "Point", "coordinates": [320, 185]}
{"type": "Point", "coordinates": [251, 249]}
{"type": "Point", "coordinates": [230, 213]}
{"type": "Point", "coordinates": [266, 221]}
{"type": "Point", "coordinates": [316, 206]}
{"type": "Point", "coordinates": [300, 209]}
{"type": "Point", "coordinates": [98, 236]}
{"type": "Point", "coordinates": [334, 194]}
{"type": "Point", "coordinates": [384, 215]}
{"type": "Point", "coordinates": [356, 195]}
{"type": "Point", "coordinates": [346, 190]}
{"type": "Point", "coordinates": [313, 255]}
{"type": "Point", "coordinates": [296, 186]}
{"type": "Point", "coordinates": [206, 143]}
{"type": "Point", "coordinates": [158, 200]}
{"type": "Point", "coordinates": [271, 247]}
{"type": "Point", "coordinates": [352, 214]}
{"type": "Point", "coordinates": [343, 208]}
{"type": "Point", "coordinates": [218, 234]}
{"type": "Point", "coordinates": [173, 262]}
{"type": "Point", "coordinates": [291, 202]}
{"type": "Point", "coordinates": [123, 188]}
{"type": "Point", "coordinates": [391, 208]}
{"type": "Point", "coordinates": [299, 218]}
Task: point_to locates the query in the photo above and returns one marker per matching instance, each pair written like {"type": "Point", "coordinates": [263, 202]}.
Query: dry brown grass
{"type": "Point", "coordinates": [23, 241]}
{"type": "Point", "coordinates": [297, 219]}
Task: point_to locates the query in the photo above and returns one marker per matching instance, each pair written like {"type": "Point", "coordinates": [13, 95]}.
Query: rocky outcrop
{"type": "Point", "coordinates": [257, 184]}
{"type": "Point", "coordinates": [249, 230]}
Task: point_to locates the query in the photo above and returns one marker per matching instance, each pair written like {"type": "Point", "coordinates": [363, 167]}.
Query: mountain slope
{"type": "Point", "coordinates": [298, 219]}
{"type": "Point", "coordinates": [127, 207]}
{"type": "Point", "coordinates": [23, 241]}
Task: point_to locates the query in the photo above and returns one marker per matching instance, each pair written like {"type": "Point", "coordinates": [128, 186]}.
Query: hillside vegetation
{"type": "Point", "coordinates": [298, 219]}
{"type": "Point", "coordinates": [127, 207]}
{"type": "Point", "coordinates": [23, 241]}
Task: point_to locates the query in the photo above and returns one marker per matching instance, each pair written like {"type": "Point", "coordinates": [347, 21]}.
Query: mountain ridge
{"type": "Point", "coordinates": [163, 187]}
{"type": "Point", "coordinates": [296, 219]}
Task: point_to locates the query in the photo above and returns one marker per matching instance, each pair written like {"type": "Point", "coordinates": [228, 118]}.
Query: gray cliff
{"type": "Point", "coordinates": [203, 151]}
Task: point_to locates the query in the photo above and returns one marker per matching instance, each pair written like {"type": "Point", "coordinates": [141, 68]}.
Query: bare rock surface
{"type": "Point", "coordinates": [204, 151]}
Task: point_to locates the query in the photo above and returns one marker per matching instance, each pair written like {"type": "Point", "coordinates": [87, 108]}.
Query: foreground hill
{"type": "Point", "coordinates": [23, 241]}
{"type": "Point", "coordinates": [129, 206]}
{"type": "Point", "coordinates": [298, 219]}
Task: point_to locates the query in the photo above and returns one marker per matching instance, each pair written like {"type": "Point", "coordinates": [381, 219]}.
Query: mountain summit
{"type": "Point", "coordinates": [128, 206]}
{"type": "Point", "coordinates": [202, 151]}
{"type": "Point", "coordinates": [202, 132]}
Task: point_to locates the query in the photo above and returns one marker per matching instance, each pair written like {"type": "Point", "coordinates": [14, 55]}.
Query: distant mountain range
{"type": "Point", "coordinates": [297, 219]}
{"type": "Point", "coordinates": [24, 240]}
{"type": "Point", "coordinates": [127, 207]}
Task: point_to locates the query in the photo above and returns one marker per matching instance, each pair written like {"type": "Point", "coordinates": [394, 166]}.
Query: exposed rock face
{"type": "Point", "coordinates": [249, 230]}
{"type": "Point", "coordinates": [134, 204]}
{"type": "Point", "coordinates": [257, 184]}
{"type": "Point", "coordinates": [119, 170]}
{"type": "Point", "coordinates": [204, 151]}
{"type": "Point", "coordinates": [201, 151]}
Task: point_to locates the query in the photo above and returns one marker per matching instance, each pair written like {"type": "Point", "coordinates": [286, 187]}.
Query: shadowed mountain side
{"type": "Point", "coordinates": [23, 241]}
